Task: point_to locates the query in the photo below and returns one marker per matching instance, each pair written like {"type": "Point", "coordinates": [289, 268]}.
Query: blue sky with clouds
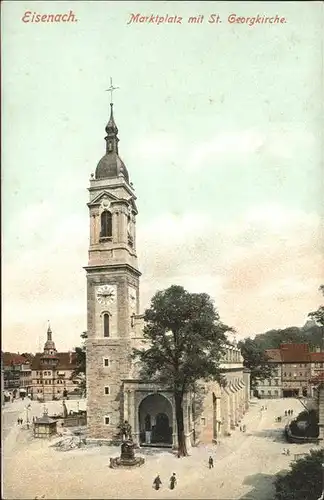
{"type": "Point", "coordinates": [220, 128]}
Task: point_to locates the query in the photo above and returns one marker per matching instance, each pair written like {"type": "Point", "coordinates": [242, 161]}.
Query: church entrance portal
{"type": "Point", "coordinates": [155, 421]}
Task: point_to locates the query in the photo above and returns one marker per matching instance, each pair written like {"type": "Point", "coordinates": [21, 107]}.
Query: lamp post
{"type": "Point", "coordinates": [28, 407]}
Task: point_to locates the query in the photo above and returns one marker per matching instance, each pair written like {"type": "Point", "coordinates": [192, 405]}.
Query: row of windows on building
{"type": "Point", "coordinates": [306, 365]}
{"type": "Point", "coordinates": [44, 373]}
{"type": "Point", "coordinates": [295, 374]}
{"type": "Point", "coordinates": [276, 382]}
{"type": "Point", "coordinates": [39, 391]}
{"type": "Point", "coordinates": [49, 381]}
{"type": "Point", "coordinates": [275, 393]}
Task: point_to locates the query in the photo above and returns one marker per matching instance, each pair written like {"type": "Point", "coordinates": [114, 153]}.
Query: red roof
{"type": "Point", "coordinates": [317, 357]}
{"type": "Point", "coordinates": [295, 347]}
{"type": "Point", "coordinates": [66, 361]}
{"type": "Point", "coordinates": [295, 353]}
{"type": "Point", "coordinates": [274, 355]}
{"type": "Point", "coordinates": [11, 358]}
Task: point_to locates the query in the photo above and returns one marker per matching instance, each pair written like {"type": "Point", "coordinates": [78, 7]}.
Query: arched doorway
{"type": "Point", "coordinates": [162, 428]}
{"type": "Point", "coordinates": [155, 421]}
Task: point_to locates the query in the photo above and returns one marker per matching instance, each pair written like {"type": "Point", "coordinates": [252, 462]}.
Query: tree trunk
{"type": "Point", "coordinates": [182, 448]}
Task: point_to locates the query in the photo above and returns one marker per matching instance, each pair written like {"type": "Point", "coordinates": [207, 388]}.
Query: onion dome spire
{"type": "Point", "coordinates": [111, 165]}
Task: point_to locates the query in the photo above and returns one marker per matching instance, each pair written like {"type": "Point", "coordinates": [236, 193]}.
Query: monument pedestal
{"type": "Point", "coordinates": [127, 457]}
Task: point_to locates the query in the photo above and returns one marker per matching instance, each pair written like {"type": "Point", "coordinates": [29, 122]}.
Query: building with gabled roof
{"type": "Point", "coordinates": [52, 372]}
{"type": "Point", "coordinates": [272, 388]}
{"type": "Point", "coordinates": [296, 365]}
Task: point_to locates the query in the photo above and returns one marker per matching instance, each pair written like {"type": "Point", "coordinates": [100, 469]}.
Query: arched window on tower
{"type": "Point", "coordinates": [106, 324]}
{"type": "Point", "coordinates": [106, 224]}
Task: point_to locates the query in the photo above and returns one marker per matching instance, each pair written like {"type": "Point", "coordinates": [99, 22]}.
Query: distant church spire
{"type": "Point", "coordinates": [49, 332]}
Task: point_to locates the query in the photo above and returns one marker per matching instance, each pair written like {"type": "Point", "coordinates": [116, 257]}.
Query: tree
{"type": "Point", "coordinates": [185, 342]}
{"type": "Point", "coordinates": [256, 361]}
{"type": "Point", "coordinates": [318, 315]}
{"type": "Point", "coordinates": [80, 369]}
{"type": "Point", "coordinates": [304, 480]}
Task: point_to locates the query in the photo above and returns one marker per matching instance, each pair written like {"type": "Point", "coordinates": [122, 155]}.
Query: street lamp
{"type": "Point", "coordinates": [28, 407]}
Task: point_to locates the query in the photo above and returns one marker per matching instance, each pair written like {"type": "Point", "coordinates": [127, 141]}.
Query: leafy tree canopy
{"type": "Point", "coordinates": [185, 341]}
{"type": "Point", "coordinates": [318, 315]}
{"type": "Point", "coordinates": [304, 480]}
{"type": "Point", "coordinates": [81, 361]}
{"type": "Point", "coordinates": [256, 361]}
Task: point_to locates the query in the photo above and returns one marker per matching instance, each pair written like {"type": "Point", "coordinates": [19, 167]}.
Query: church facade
{"type": "Point", "coordinates": [114, 391]}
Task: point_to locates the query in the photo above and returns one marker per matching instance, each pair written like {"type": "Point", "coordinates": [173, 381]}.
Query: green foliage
{"type": "Point", "coordinates": [318, 315]}
{"type": "Point", "coordinates": [304, 480]}
{"type": "Point", "coordinates": [81, 361]}
{"type": "Point", "coordinates": [256, 361]}
{"type": "Point", "coordinates": [185, 341]}
{"type": "Point", "coordinates": [310, 334]}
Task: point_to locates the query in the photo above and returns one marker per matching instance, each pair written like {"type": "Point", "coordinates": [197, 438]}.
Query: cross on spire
{"type": "Point", "coordinates": [111, 90]}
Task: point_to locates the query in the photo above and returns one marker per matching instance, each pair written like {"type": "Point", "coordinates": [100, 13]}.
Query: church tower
{"type": "Point", "coordinates": [112, 288]}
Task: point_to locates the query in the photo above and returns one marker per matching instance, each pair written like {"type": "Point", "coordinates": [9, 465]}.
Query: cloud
{"type": "Point", "coordinates": [282, 141]}
{"type": "Point", "coordinates": [262, 270]}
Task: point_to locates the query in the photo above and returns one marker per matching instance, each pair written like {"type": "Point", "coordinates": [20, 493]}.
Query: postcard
{"type": "Point", "coordinates": [162, 197]}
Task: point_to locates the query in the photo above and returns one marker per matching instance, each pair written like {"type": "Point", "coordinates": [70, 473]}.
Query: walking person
{"type": "Point", "coordinates": [157, 482]}
{"type": "Point", "coordinates": [211, 462]}
{"type": "Point", "coordinates": [173, 481]}
{"type": "Point", "coordinates": [285, 413]}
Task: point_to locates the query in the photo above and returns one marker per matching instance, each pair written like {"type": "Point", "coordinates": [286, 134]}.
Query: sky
{"type": "Point", "coordinates": [220, 126]}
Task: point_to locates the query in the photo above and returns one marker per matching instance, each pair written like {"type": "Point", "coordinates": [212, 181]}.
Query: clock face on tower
{"type": "Point", "coordinates": [106, 294]}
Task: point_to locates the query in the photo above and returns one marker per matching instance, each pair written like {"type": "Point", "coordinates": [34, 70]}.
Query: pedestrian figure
{"type": "Point", "coordinates": [291, 412]}
{"type": "Point", "coordinates": [265, 407]}
{"type": "Point", "coordinates": [211, 462]}
{"type": "Point", "coordinates": [18, 421]}
{"type": "Point", "coordinates": [240, 428]}
{"type": "Point", "coordinates": [173, 481]}
{"type": "Point", "coordinates": [244, 428]}
{"type": "Point", "coordinates": [288, 452]}
{"type": "Point", "coordinates": [285, 413]}
{"type": "Point", "coordinates": [157, 482]}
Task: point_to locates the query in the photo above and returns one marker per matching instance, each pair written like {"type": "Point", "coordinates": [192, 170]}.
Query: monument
{"type": "Point", "coordinates": [127, 456]}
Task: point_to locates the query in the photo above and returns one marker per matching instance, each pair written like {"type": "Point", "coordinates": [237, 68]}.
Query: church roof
{"type": "Point", "coordinates": [111, 166]}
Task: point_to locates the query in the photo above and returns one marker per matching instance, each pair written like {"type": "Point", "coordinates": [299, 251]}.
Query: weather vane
{"type": "Point", "coordinates": [111, 89]}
